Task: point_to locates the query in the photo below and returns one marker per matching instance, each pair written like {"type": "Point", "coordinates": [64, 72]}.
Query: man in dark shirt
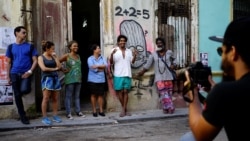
{"type": "Point", "coordinates": [227, 104]}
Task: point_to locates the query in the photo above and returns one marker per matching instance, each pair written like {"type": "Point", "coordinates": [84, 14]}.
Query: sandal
{"type": "Point", "coordinates": [122, 114]}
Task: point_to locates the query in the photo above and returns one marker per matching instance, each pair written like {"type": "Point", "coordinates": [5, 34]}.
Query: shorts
{"type": "Point", "coordinates": [97, 88]}
{"type": "Point", "coordinates": [121, 83]}
{"type": "Point", "coordinates": [51, 83]}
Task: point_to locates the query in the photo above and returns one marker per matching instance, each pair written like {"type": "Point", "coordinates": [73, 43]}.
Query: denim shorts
{"type": "Point", "coordinates": [51, 83]}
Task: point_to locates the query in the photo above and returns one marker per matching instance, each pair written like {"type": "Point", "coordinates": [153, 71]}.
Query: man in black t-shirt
{"type": "Point", "coordinates": [227, 103]}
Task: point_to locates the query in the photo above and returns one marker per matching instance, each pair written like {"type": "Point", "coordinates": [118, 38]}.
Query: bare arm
{"type": "Point", "coordinates": [202, 130]}
{"type": "Point", "coordinates": [111, 60]}
{"type": "Point", "coordinates": [63, 58]}
{"type": "Point", "coordinates": [134, 55]}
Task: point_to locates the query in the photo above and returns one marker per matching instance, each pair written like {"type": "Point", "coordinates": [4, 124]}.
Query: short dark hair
{"type": "Point", "coordinates": [121, 36]}
{"type": "Point", "coordinates": [18, 29]}
{"type": "Point", "coordinates": [160, 39]}
{"type": "Point", "coordinates": [93, 47]}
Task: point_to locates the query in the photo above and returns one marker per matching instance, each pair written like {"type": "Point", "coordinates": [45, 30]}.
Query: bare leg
{"type": "Point", "coordinates": [125, 94]}
{"type": "Point", "coordinates": [121, 99]}
{"type": "Point", "coordinates": [55, 102]}
{"type": "Point", "coordinates": [100, 103]}
{"type": "Point", "coordinates": [46, 96]}
{"type": "Point", "coordinates": [93, 102]}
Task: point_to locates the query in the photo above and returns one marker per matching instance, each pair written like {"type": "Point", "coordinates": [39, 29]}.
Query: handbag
{"type": "Point", "coordinates": [171, 70]}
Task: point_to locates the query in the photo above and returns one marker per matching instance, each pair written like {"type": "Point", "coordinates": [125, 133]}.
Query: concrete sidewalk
{"type": "Point", "coordinates": [110, 118]}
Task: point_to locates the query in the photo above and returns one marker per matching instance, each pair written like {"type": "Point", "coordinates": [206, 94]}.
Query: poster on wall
{"type": "Point", "coordinates": [6, 37]}
{"type": "Point", "coordinates": [204, 58]}
{"type": "Point", "coordinates": [6, 95]}
{"type": "Point", "coordinates": [3, 70]}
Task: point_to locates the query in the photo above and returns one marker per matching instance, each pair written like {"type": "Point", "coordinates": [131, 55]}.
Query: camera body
{"type": "Point", "coordinates": [199, 75]}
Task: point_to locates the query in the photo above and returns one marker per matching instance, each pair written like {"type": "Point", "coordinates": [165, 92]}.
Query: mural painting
{"type": "Point", "coordinates": [134, 19]}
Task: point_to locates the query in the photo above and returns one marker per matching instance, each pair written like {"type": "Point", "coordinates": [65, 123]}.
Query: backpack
{"type": "Point", "coordinates": [11, 55]}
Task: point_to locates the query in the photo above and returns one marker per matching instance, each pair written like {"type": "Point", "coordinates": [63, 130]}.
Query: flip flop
{"type": "Point", "coordinates": [128, 114]}
{"type": "Point", "coordinates": [122, 114]}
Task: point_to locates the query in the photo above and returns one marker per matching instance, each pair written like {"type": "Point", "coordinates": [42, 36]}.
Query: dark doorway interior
{"type": "Point", "coordinates": [86, 31]}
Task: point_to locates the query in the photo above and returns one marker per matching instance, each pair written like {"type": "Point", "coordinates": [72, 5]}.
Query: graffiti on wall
{"type": "Point", "coordinates": [134, 20]}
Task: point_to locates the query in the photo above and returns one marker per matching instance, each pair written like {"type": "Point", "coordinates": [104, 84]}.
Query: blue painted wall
{"type": "Point", "coordinates": [214, 16]}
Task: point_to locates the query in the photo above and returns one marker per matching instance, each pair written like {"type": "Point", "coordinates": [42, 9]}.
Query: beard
{"type": "Point", "coordinates": [228, 71]}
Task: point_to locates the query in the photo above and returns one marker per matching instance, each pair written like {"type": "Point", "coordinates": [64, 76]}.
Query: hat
{"type": "Point", "coordinates": [237, 32]}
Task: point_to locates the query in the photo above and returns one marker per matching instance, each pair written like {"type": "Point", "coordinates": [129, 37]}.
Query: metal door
{"type": "Point", "coordinates": [174, 25]}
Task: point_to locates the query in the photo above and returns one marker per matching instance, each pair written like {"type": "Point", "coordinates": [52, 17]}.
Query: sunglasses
{"type": "Point", "coordinates": [219, 51]}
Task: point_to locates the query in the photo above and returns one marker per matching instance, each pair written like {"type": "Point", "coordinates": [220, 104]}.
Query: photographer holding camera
{"type": "Point", "coordinates": [227, 105]}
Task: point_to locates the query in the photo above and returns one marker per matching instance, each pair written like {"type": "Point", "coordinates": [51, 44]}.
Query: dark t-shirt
{"type": "Point", "coordinates": [227, 106]}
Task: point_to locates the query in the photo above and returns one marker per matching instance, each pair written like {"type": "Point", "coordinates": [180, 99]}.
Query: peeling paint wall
{"type": "Point", "coordinates": [136, 20]}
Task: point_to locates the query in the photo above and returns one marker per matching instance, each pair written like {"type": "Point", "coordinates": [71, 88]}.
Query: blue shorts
{"type": "Point", "coordinates": [51, 83]}
{"type": "Point", "coordinates": [121, 83]}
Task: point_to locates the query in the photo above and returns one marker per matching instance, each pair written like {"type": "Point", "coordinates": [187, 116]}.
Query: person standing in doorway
{"type": "Point", "coordinates": [22, 60]}
{"type": "Point", "coordinates": [163, 77]}
{"type": "Point", "coordinates": [96, 79]}
{"type": "Point", "coordinates": [73, 79]}
{"type": "Point", "coordinates": [122, 58]}
{"type": "Point", "coordinates": [49, 64]}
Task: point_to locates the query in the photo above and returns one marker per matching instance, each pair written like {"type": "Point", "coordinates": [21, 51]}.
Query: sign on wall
{"type": "Point", "coordinates": [204, 58]}
{"type": "Point", "coordinates": [6, 37]}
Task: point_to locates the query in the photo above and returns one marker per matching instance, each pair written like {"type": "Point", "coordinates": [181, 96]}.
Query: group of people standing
{"type": "Point", "coordinates": [224, 107]}
{"type": "Point", "coordinates": [23, 58]}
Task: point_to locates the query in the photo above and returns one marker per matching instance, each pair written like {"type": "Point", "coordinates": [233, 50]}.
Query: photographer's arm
{"type": "Point", "coordinates": [202, 130]}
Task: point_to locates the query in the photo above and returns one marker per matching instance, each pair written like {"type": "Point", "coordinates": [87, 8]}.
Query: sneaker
{"type": "Point", "coordinates": [80, 114]}
{"type": "Point", "coordinates": [46, 121]}
{"type": "Point", "coordinates": [69, 116]}
{"type": "Point", "coordinates": [57, 119]}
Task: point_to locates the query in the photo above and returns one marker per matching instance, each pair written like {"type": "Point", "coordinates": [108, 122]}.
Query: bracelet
{"type": "Point", "coordinates": [29, 71]}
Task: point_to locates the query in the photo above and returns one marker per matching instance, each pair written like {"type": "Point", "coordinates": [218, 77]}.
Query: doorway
{"type": "Point", "coordinates": [86, 31]}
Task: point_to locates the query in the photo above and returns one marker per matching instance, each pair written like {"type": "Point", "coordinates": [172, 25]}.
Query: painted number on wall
{"type": "Point", "coordinates": [132, 12]}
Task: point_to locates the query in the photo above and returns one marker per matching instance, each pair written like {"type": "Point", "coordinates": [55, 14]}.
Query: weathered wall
{"type": "Point", "coordinates": [136, 20]}
{"type": "Point", "coordinates": [15, 13]}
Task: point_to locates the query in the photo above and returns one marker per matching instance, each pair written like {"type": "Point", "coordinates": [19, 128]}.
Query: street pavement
{"type": "Point", "coordinates": [110, 118]}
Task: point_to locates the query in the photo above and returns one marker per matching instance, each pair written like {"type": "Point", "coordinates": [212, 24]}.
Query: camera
{"type": "Point", "coordinates": [198, 75]}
